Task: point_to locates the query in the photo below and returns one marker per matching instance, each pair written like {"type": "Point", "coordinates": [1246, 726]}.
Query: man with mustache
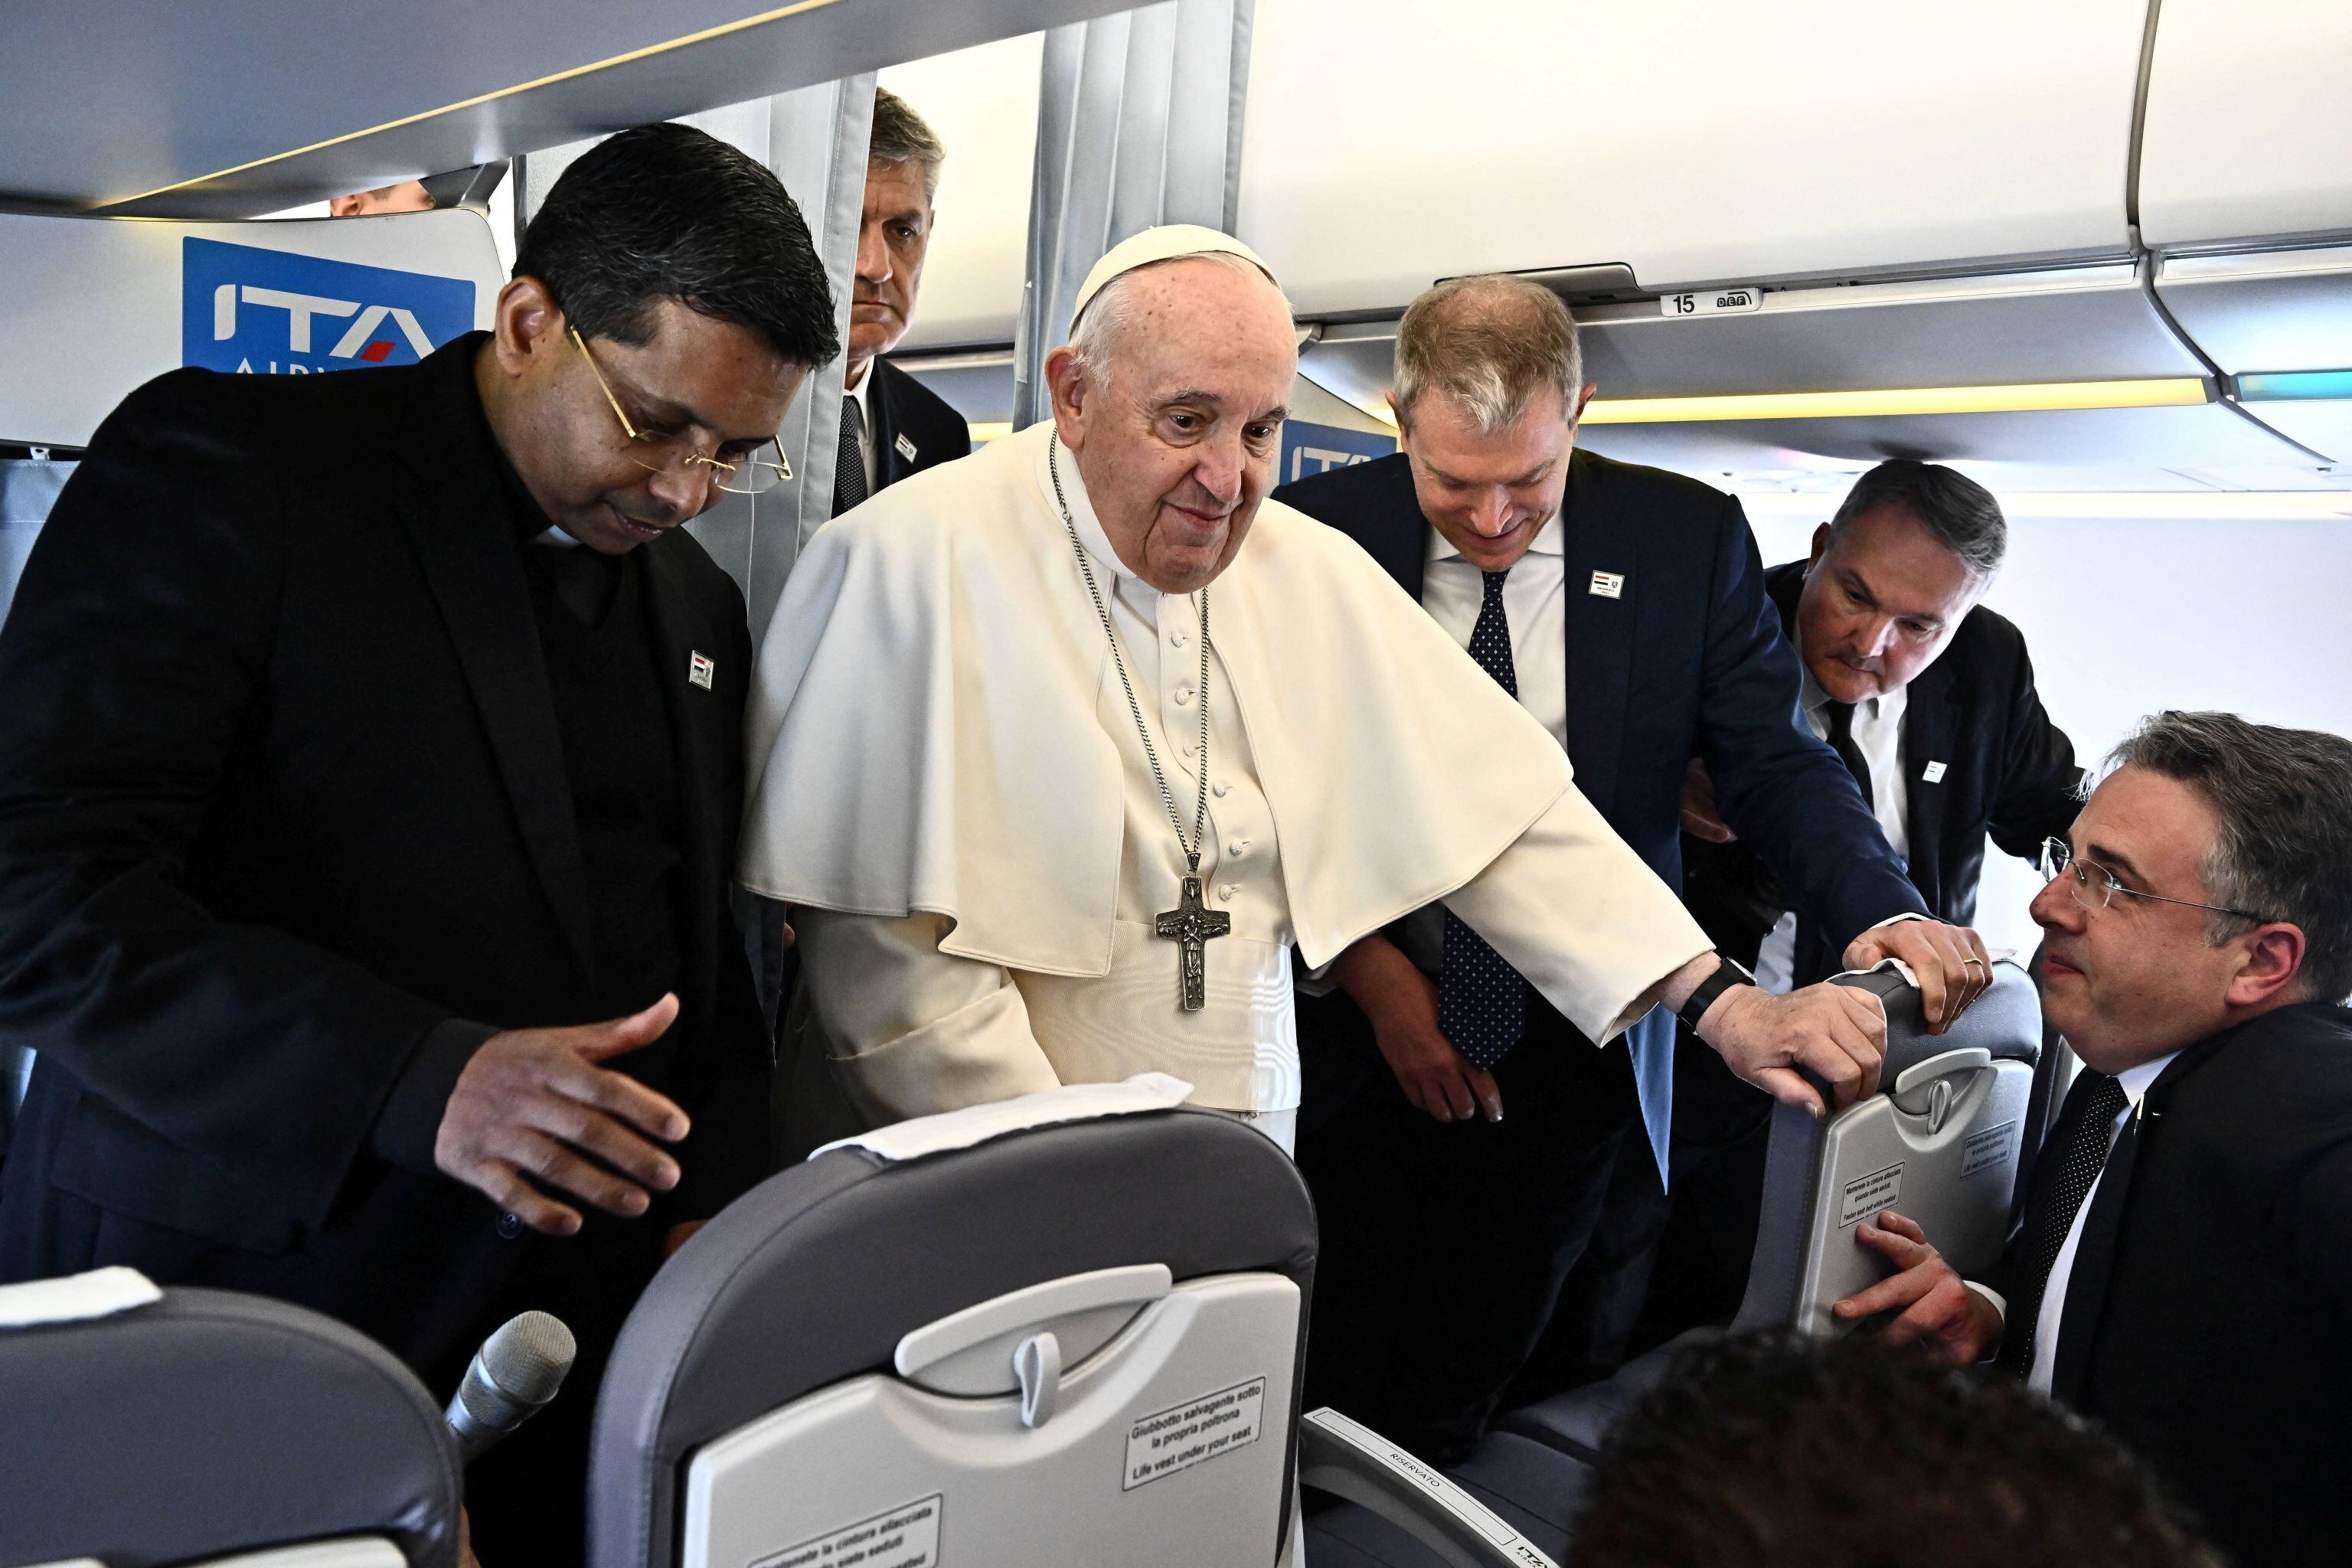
{"type": "Point", "coordinates": [369, 782]}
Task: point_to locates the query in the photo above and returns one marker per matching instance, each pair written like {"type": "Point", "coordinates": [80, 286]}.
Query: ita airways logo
{"type": "Point", "coordinates": [276, 312]}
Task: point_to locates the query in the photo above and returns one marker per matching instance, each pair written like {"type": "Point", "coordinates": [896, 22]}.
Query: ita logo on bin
{"type": "Point", "coordinates": [276, 312]}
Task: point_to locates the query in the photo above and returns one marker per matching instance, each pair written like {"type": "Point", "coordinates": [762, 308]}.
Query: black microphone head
{"type": "Point", "coordinates": [529, 1357]}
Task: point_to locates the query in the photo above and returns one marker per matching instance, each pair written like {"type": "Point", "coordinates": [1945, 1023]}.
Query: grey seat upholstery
{"type": "Point", "coordinates": [210, 1423]}
{"type": "Point", "coordinates": [803, 1290]}
{"type": "Point", "coordinates": [1945, 1150]}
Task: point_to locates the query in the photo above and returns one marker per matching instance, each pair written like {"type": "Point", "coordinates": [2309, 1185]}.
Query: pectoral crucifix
{"type": "Point", "coordinates": [1191, 926]}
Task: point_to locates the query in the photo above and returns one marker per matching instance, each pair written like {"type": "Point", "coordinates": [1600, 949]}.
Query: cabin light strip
{"type": "Point", "coordinates": [648, 52]}
{"type": "Point", "coordinates": [2294, 386]}
{"type": "Point", "coordinates": [2095, 506]}
{"type": "Point", "coordinates": [2170, 392]}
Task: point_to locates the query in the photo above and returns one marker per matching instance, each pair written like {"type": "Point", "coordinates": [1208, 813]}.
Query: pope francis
{"type": "Point", "coordinates": [1059, 751]}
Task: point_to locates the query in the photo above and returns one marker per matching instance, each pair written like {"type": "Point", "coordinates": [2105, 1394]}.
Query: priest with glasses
{"type": "Point", "coordinates": [1059, 751]}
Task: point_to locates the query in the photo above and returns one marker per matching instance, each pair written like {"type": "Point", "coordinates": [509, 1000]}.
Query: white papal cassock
{"type": "Point", "coordinates": [950, 790]}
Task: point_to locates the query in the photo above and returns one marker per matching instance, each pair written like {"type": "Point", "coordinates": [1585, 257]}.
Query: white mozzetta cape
{"type": "Point", "coordinates": [924, 736]}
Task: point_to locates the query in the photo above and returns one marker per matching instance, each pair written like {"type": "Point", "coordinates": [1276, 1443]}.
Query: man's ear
{"type": "Point", "coordinates": [1068, 383]}
{"type": "Point", "coordinates": [2273, 965]}
{"type": "Point", "coordinates": [1821, 548]}
{"type": "Point", "coordinates": [1583, 401]}
{"type": "Point", "coordinates": [526, 323]}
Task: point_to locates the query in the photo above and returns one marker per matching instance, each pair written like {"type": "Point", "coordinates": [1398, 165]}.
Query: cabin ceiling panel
{"type": "Point", "coordinates": [118, 108]}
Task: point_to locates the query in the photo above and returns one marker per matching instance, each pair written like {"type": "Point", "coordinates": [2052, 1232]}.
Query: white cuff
{"type": "Point", "coordinates": [2000, 1305]}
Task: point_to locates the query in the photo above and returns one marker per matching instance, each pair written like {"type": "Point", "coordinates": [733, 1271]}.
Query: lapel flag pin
{"type": "Point", "coordinates": [1609, 584]}
{"type": "Point", "coordinates": [906, 448]}
{"type": "Point", "coordinates": [699, 671]}
{"type": "Point", "coordinates": [1932, 774]}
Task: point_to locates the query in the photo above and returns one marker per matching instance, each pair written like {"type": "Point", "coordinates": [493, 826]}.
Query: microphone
{"type": "Point", "coordinates": [512, 1379]}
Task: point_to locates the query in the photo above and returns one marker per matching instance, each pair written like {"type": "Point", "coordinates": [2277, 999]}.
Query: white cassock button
{"type": "Point", "coordinates": [1218, 790]}
{"type": "Point", "coordinates": [1177, 636]}
{"type": "Point", "coordinates": [1184, 695]}
{"type": "Point", "coordinates": [1227, 891]}
{"type": "Point", "coordinates": [1237, 848]}
{"type": "Point", "coordinates": [1189, 748]}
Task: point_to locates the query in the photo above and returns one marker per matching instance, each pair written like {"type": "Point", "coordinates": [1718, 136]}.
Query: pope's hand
{"type": "Point", "coordinates": [1950, 962]}
{"type": "Point", "coordinates": [1937, 1304]}
{"type": "Point", "coordinates": [1835, 1032]}
{"type": "Point", "coordinates": [1401, 1003]}
{"type": "Point", "coordinates": [536, 1101]}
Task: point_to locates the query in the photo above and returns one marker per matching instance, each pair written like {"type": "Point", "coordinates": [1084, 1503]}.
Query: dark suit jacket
{"type": "Point", "coordinates": [904, 408]}
{"type": "Point", "coordinates": [2210, 1308]}
{"type": "Point", "coordinates": [1689, 661]}
{"type": "Point", "coordinates": [283, 808]}
{"type": "Point", "coordinates": [2007, 771]}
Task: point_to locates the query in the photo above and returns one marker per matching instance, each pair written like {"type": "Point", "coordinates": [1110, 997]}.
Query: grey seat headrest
{"type": "Point", "coordinates": [211, 1423]}
{"type": "Point", "coordinates": [815, 1274]}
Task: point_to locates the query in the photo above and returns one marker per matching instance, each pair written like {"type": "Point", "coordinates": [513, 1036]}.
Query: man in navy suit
{"type": "Point", "coordinates": [892, 426]}
{"type": "Point", "coordinates": [1625, 608]}
{"type": "Point", "coordinates": [2181, 1271]}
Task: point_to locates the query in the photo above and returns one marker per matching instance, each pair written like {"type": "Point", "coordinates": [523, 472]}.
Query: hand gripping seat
{"type": "Point", "coordinates": [1002, 1336]}
{"type": "Point", "coordinates": [1939, 1143]}
{"type": "Point", "coordinates": [204, 1424]}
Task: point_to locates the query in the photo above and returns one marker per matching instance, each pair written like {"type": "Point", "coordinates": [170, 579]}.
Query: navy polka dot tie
{"type": "Point", "coordinates": [2085, 1134]}
{"type": "Point", "coordinates": [1481, 1001]}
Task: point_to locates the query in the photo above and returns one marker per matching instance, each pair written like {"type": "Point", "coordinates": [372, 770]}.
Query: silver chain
{"type": "Point", "coordinates": [1201, 804]}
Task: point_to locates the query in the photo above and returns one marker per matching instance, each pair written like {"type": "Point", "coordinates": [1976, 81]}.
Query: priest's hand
{"type": "Point", "coordinates": [1837, 1033]}
{"type": "Point", "coordinates": [1935, 1302]}
{"type": "Point", "coordinates": [535, 1103]}
{"type": "Point", "coordinates": [1950, 962]}
{"type": "Point", "coordinates": [1401, 1003]}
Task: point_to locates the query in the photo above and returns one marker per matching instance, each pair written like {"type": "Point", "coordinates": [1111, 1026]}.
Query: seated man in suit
{"type": "Point", "coordinates": [892, 425]}
{"type": "Point", "coordinates": [2182, 1269]}
{"type": "Point", "coordinates": [1457, 1133]}
{"type": "Point", "coordinates": [1929, 699]}
{"type": "Point", "coordinates": [365, 844]}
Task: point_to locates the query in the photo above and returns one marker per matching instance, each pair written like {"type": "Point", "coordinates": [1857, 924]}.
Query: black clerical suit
{"type": "Point", "coordinates": [2209, 1310]}
{"type": "Point", "coordinates": [1981, 759]}
{"type": "Point", "coordinates": [914, 428]}
{"type": "Point", "coordinates": [1444, 1244]}
{"type": "Point", "coordinates": [305, 790]}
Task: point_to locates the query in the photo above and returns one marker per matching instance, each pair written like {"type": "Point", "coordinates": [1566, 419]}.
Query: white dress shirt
{"type": "Point", "coordinates": [1534, 603]}
{"type": "Point", "coordinates": [1878, 735]}
{"type": "Point", "coordinates": [2134, 1081]}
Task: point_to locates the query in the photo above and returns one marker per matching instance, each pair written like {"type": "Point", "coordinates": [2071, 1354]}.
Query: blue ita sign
{"type": "Point", "coordinates": [1309, 450]}
{"type": "Point", "coordinates": [276, 312]}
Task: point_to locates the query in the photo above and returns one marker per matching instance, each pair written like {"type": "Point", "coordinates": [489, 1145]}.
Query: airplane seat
{"type": "Point", "coordinates": [1065, 1328]}
{"type": "Point", "coordinates": [189, 1425]}
{"type": "Point", "coordinates": [1941, 1142]}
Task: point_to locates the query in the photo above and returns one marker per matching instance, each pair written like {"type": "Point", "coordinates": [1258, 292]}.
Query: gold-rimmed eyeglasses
{"type": "Point", "coordinates": [754, 474]}
{"type": "Point", "coordinates": [2095, 887]}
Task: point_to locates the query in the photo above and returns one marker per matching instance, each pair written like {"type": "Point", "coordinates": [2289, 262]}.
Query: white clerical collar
{"type": "Point", "coordinates": [1546, 542]}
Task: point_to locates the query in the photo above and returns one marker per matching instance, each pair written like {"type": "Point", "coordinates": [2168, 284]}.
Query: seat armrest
{"type": "Point", "coordinates": [1349, 1460]}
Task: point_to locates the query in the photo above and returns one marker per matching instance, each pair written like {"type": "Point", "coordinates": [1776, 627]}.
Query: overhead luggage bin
{"type": "Point", "coordinates": [2246, 139]}
{"type": "Point", "coordinates": [1691, 143]}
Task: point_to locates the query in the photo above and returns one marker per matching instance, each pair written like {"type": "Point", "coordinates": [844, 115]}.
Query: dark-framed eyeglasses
{"type": "Point", "coordinates": [755, 475]}
{"type": "Point", "coordinates": [2095, 887]}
